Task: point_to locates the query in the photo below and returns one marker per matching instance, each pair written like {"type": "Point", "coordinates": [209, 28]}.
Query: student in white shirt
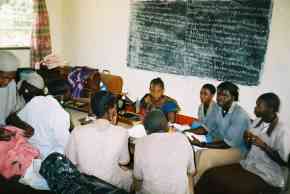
{"type": "Point", "coordinates": [101, 148]}
{"type": "Point", "coordinates": [263, 169]}
{"type": "Point", "coordinates": [44, 113]}
{"type": "Point", "coordinates": [163, 162]}
{"type": "Point", "coordinates": [8, 91]}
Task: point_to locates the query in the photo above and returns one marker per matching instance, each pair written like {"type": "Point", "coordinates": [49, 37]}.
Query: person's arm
{"type": "Point", "coordinates": [137, 184]}
{"type": "Point", "coordinates": [143, 103]}
{"type": "Point", "coordinates": [288, 161]}
{"type": "Point", "coordinates": [124, 154]}
{"type": "Point", "coordinates": [5, 135]}
{"type": "Point", "coordinates": [71, 148]}
{"type": "Point", "coordinates": [214, 145]}
{"type": "Point", "coordinates": [191, 169]}
{"type": "Point", "coordinates": [14, 120]}
{"type": "Point", "coordinates": [199, 131]}
{"type": "Point", "coordinates": [138, 170]}
{"type": "Point", "coordinates": [190, 183]}
{"type": "Point", "coordinates": [273, 154]}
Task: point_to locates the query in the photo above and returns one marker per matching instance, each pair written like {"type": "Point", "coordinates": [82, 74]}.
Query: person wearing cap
{"type": "Point", "coordinates": [44, 113]}
{"type": "Point", "coordinates": [163, 162]}
{"type": "Point", "coordinates": [101, 148]}
{"type": "Point", "coordinates": [32, 85]}
{"type": "Point", "coordinates": [8, 92]}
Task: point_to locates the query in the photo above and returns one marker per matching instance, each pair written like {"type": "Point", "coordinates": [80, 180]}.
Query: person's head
{"type": "Point", "coordinates": [104, 105]}
{"type": "Point", "coordinates": [207, 92]}
{"type": "Point", "coordinates": [170, 109]}
{"type": "Point", "coordinates": [155, 121]}
{"type": "Point", "coordinates": [227, 93]}
{"type": "Point", "coordinates": [156, 88]}
{"type": "Point", "coordinates": [30, 86]}
{"type": "Point", "coordinates": [267, 105]}
{"type": "Point", "coordinates": [8, 67]}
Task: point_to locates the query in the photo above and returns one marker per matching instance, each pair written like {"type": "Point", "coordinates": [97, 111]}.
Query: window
{"type": "Point", "coordinates": [16, 17]}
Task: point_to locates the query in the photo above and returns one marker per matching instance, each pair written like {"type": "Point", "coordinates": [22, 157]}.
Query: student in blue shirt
{"type": "Point", "coordinates": [207, 107]}
{"type": "Point", "coordinates": [227, 126]}
{"type": "Point", "coordinates": [263, 169]}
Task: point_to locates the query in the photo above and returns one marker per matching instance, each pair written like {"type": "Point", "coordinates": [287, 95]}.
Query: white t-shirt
{"type": "Point", "coordinates": [257, 160]}
{"type": "Point", "coordinates": [50, 122]}
{"type": "Point", "coordinates": [7, 101]}
{"type": "Point", "coordinates": [98, 148]}
{"type": "Point", "coordinates": [162, 162]}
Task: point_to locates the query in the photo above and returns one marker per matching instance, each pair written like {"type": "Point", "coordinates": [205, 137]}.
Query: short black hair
{"type": "Point", "coordinates": [155, 121]}
{"type": "Point", "coordinates": [101, 102]}
{"type": "Point", "coordinates": [210, 88]}
{"type": "Point", "coordinates": [271, 100]}
{"type": "Point", "coordinates": [231, 87]}
{"type": "Point", "coordinates": [157, 82]}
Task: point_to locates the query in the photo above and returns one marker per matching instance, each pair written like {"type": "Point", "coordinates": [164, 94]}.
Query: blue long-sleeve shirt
{"type": "Point", "coordinates": [231, 127]}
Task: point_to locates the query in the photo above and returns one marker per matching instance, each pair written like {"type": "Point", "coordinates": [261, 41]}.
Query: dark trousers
{"type": "Point", "coordinates": [232, 179]}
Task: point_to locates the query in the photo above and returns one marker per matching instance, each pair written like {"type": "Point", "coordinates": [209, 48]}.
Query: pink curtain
{"type": "Point", "coordinates": [41, 43]}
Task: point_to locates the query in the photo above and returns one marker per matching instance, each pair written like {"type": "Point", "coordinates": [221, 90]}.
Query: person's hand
{"type": "Point", "coordinates": [28, 131]}
{"type": "Point", "coordinates": [258, 142]}
{"type": "Point", "coordinates": [249, 137]}
{"type": "Point", "coordinates": [5, 135]}
{"type": "Point", "coordinates": [196, 142]}
{"type": "Point", "coordinates": [171, 129]}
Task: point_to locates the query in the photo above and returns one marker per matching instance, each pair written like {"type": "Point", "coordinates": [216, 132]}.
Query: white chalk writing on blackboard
{"type": "Point", "coordinates": [225, 40]}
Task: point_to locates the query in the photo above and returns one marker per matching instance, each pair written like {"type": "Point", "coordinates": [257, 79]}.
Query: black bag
{"type": "Point", "coordinates": [64, 178]}
{"type": "Point", "coordinates": [56, 84]}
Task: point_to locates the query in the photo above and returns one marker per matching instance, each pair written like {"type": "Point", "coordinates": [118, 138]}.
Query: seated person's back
{"type": "Point", "coordinates": [101, 148]}
{"type": "Point", "coordinates": [163, 161]}
{"type": "Point", "coordinates": [44, 113]}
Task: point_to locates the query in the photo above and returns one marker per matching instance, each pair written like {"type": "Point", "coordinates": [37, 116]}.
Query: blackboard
{"type": "Point", "coordinates": [225, 40]}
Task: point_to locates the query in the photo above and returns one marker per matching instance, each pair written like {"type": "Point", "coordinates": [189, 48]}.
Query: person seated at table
{"type": "Point", "coordinates": [8, 89]}
{"type": "Point", "coordinates": [101, 148]}
{"type": "Point", "coordinates": [262, 171]}
{"type": "Point", "coordinates": [207, 107]}
{"type": "Point", "coordinates": [170, 109]}
{"type": "Point", "coordinates": [163, 162]}
{"type": "Point", "coordinates": [227, 128]}
{"type": "Point", "coordinates": [44, 113]}
{"type": "Point", "coordinates": [156, 97]}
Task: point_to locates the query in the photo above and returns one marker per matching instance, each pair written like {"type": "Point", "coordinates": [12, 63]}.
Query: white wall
{"type": "Point", "coordinates": [97, 35]}
{"type": "Point", "coordinates": [54, 8]}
